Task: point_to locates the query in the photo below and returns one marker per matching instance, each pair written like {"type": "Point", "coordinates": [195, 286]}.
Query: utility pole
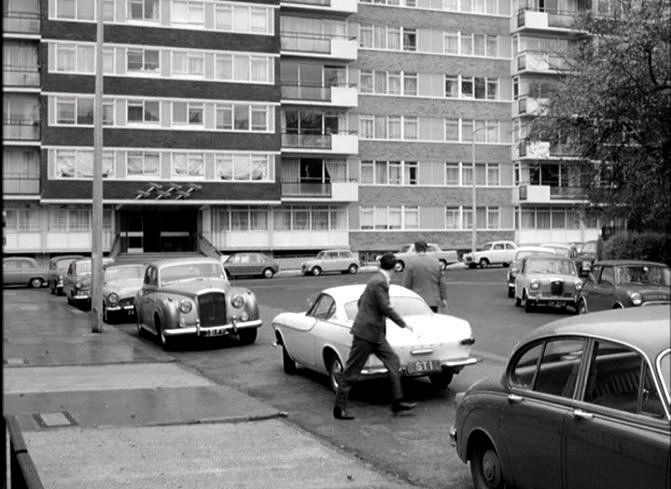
{"type": "Point", "coordinates": [97, 191]}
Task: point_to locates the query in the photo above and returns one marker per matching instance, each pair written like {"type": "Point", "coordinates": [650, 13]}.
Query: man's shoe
{"type": "Point", "coordinates": [341, 413]}
{"type": "Point", "coordinates": [400, 406]}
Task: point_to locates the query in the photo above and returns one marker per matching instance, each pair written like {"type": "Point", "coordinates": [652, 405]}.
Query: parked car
{"type": "Point", "coordinates": [523, 252]}
{"type": "Point", "coordinates": [191, 297]}
{"type": "Point", "coordinates": [586, 256]}
{"type": "Point", "coordinates": [77, 281]}
{"type": "Point", "coordinates": [343, 261]}
{"type": "Point", "coordinates": [24, 271]}
{"type": "Point", "coordinates": [444, 257]}
{"type": "Point", "coordinates": [547, 280]}
{"type": "Point", "coordinates": [119, 289]}
{"type": "Point", "coordinates": [492, 253]}
{"type": "Point", "coordinates": [616, 284]}
{"type": "Point", "coordinates": [584, 402]}
{"type": "Point", "coordinates": [320, 339]}
{"type": "Point", "coordinates": [58, 267]}
{"type": "Point", "coordinates": [565, 250]}
{"type": "Point", "coordinates": [250, 264]}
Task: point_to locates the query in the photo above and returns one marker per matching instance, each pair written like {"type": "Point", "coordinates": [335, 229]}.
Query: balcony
{"type": "Point", "coordinates": [334, 96]}
{"type": "Point", "coordinates": [548, 19]}
{"type": "Point", "coordinates": [543, 150]}
{"type": "Point", "coordinates": [15, 184]}
{"type": "Point", "coordinates": [20, 130]}
{"type": "Point", "coordinates": [16, 76]}
{"type": "Point", "coordinates": [547, 194]}
{"type": "Point", "coordinates": [334, 6]}
{"type": "Point", "coordinates": [21, 23]}
{"type": "Point", "coordinates": [331, 192]}
{"type": "Point", "coordinates": [531, 106]}
{"type": "Point", "coordinates": [341, 143]}
{"type": "Point", "coordinates": [541, 62]}
{"type": "Point", "coordinates": [319, 46]}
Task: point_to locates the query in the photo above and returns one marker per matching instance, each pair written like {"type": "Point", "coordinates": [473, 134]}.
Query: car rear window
{"type": "Point", "coordinates": [405, 306]}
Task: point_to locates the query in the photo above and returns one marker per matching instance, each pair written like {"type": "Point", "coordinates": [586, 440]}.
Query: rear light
{"type": "Point", "coordinates": [467, 341]}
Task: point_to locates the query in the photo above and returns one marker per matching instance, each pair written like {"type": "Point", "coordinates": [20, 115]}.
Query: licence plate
{"type": "Point", "coordinates": [213, 332]}
{"type": "Point", "coordinates": [423, 366]}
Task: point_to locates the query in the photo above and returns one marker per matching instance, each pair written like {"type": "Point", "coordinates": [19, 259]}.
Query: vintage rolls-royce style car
{"type": "Point", "coordinates": [547, 280]}
{"type": "Point", "coordinates": [584, 402]}
{"type": "Point", "coordinates": [183, 297]}
{"type": "Point", "coordinates": [121, 284]}
{"type": "Point", "coordinates": [615, 284]}
{"type": "Point", "coordinates": [320, 339]}
{"type": "Point", "coordinates": [77, 281]}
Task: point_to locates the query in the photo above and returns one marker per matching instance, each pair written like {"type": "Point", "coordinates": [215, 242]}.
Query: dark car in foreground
{"type": "Point", "coordinates": [584, 403]}
{"type": "Point", "coordinates": [250, 265]}
{"type": "Point", "coordinates": [616, 284]}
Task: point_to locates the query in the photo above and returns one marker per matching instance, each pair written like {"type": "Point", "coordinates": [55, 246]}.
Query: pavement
{"type": "Point", "coordinates": [101, 410]}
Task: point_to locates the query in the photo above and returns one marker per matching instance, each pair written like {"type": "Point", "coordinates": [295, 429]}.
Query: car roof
{"type": "Point", "coordinates": [629, 262]}
{"type": "Point", "coordinates": [348, 293]}
{"type": "Point", "coordinates": [648, 328]}
{"type": "Point", "coordinates": [67, 257]}
{"type": "Point", "coordinates": [540, 249]}
{"type": "Point", "coordinates": [184, 260]}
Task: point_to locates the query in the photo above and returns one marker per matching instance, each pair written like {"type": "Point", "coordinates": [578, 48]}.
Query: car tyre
{"type": "Point", "coordinates": [268, 273]}
{"type": "Point", "coordinates": [528, 305]}
{"type": "Point", "coordinates": [352, 269]}
{"type": "Point", "coordinates": [472, 266]}
{"type": "Point", "coordinates": [484, 262]}
{"type": "Point", "coordinates": [582, 307]}
{"type": "Point", "coordinates": [335, 369]}
{"type": "Point", "coordinates": [316, 271]}
{"type": "Point", "coordinates": [511, 293]}
{"type": "Point", "coordinates": [52, 289]}
{"type": "Point", "coordinates": [247, 336]}
{"type": "Point", "coordinates": [36, 282]}
{"type": "Point", "coordinates": [288, 363]}
{"type": "Point", "coordinates": [399, 266]}
{"type": "Point", "coordinates": [442, 379]}
{"type": "Point", "coordinates": [138, 325]}
{"type": "Point", "coordinates": [162, 338]}
{"type": "Point", "coordinates": [106, 314]}
{"type": "Point", "coordinates": [486, 468]}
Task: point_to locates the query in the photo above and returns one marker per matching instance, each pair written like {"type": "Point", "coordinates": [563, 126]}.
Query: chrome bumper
{"type": "Point", "coordinates": [452, 434]}
{"type": "Point", "coordinates": [210, 330]}
{"type": "Point", "coordinates": [129, 308]}
{"type": "Point", "coordinates": [455, 365]}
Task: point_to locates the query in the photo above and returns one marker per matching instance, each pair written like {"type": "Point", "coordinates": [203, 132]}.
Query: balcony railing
{"type": "Point", "coordinates": [319, 93]}
{"type": "Point", "coordinates": [568, 193]}
{"type": "Point", "coordinates": [20, 184]}
{"type": "Point", "coordinates": [552, 18]}
{"type": "Point", "coordinates": [311, 43]}
{"type": "Point", "coordinates": [541, 61]}
{"type": "Point", "coordinates": [543, 194]}
{"type": "Point", "coordinates": [20, 129]}
{"type": "Point", "coordinates": [306, 189]}
{"type": "Point", "coordinates": [319, 141]}
{"type": "Point", "coordinates": [17, 76]}
{"type": "Point", "coordinates": [21, 22]}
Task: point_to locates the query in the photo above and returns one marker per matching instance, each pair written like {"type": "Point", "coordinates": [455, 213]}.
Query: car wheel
{"type": "Point", "coordinates": [105, 314]}
{"type": "Point", "coordinates": [335, 369]}
{"type": "Point", "coordinates": [528, 305]}
{"type": "Point", "coordinates": [138, 324]}
{"type": "Point", "coordinates": [162, 338]}
{"type": "Point", "coordinates": [268, 273]}
{"type": "Point", "coordinates": [316, 271]}
{"type": "Point", "coordinates": [36, 282]}
{"type": "Point", "coordinates": [472, 265]}
{"type": "Point", "coordinates": [442, 380]}
{"type": "Point", "coordinates": [353, 269]}
{"type": "Point", "coordinates": [582, 307]}
{"type": "Point", "coordinates": [288, 363]}
{"type": "Point", "coordinates": [59, 291]}
{"type": "Point", "coordinates": [484, 262]}
{"type": "Point", "coordinates": [69, 299]}
{"type": "Point", "coordinates": [486, 468]}
{"type": "Point", "coordinates": [399, 266]}
{"type": "Point", "coordinates": [518, 302]}
{"type": "Point", "coordinates": [52, 289]}
{"type": "Point", "coordinates": [247, 336]}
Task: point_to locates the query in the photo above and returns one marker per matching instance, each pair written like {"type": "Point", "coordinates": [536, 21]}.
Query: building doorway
{"type": "Point", "coordinates": [158, 230]}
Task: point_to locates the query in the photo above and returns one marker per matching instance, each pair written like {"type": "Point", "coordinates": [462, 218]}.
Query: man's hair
{"type": "Point", "coordinates": [420, 245]}
{"type": "Point", "coordinates": [387, 261]}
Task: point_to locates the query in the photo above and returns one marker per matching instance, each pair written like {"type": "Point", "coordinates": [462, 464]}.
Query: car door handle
{"type": "Point", "coordinates": [580, 414]}
{"type": "Point", "coordinates": [514, 398]}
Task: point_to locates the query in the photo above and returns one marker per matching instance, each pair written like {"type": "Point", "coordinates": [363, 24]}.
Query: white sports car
{"type": "Point", "coordinates": [438, 347]}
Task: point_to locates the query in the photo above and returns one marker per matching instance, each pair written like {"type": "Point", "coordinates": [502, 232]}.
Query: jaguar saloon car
{"type": "Point", "coordinates": [191, 297]}
{"type": "Point", "coordinates": [547, 280]}
{"type": "Point", "coordinates": [583, 403]}
{"type": "Point", "coordinates": [616, 284]}
{"type": "Point", "coordinates": [320, 340]}
{"type": "Point", "coordinates": [121, 284]}
{"type": "Point", "coordinates": [58, 266]}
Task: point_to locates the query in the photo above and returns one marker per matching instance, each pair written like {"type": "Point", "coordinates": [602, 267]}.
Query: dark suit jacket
{"type": "Point", "coordinates": [424, 276]}
{"type": "Point", "coordinates": [374, 308]}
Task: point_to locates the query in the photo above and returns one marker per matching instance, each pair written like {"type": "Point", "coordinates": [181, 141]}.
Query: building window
{"type": "Point", "coordinates": [452, 220]}
{"type": "Point", "coordinates": [367, 127]}
{"type": "Point", "coordinates": [411, 217]}
{"type": "Point", "coordinates": [243, 167]}
{"type": "Point", "coordinates": [143, 112]}
{"type": "Point", "coordinates": [230, 17]}
{"type": "Point", "coordinates": [187, 114]}
{"type": "Point", "coordinates": [409, 84]}
{"type": "Point", "coordinates": [189, 13]}
{"type": "Point", "coordinates": [452, 129]}
{"type": "Point", "coordinates": [493, 218]}
{"type": "Point", "coordinates": [143, 10]}
{"type": "Point", "coordinates": [142, 164]}
{"type": "Point", "coordinates": [409, 39]}
{"type": "Point", "coordinates": [75, 9]}
{"type": "Point", "coordinates": [188, 63]}
{"type": "Point", "coordinates": [410, 128]}
{"type": "Point", "coordinates": [143, 60]}
{"type": "Point", "coordinates": [451, 173]}
{"type": "Point", "coordinates": [410, 170]}
{"type": "Point", "coordinates": [22, 219]}
{"type": "Point", "coordinates": [188, 165]}
{"type": "Point", "coordinates": [244, 117]}
{"type": "Point", "coordinates": [78, 163]}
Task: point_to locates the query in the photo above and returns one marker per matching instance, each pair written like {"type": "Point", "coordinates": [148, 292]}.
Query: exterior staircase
{"type": "Point", "coordinates": [129, 258]}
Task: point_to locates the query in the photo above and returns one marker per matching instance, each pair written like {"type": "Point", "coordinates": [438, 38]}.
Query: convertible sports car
{"type": "Point", "coordinates": [192, 297]}
{"type": "Point", "coordinates": [320, 339]}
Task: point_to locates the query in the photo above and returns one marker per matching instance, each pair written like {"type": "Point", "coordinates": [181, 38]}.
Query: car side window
{"type": "Point", "coordinates": [498, 247]}
{"type": "Point", "coordinates": [607, 276]}
{"type": "Point", "coordinates": [509, 246]}
{"type": "Point", "coordinates": [524, 370]}
{"type": "Point", "coordinates": [323, 308]}
{"type": "Point", "coordinates": [433, 248]}
{"type": "Point", "coordinates": [558, 369]}
{"type": "Point", "coordinates": [614, 380]}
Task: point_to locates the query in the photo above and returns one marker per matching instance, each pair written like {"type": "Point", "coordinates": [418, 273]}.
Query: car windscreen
{"type": "Point", "coordinates": [642, 275]}
{"type": "Point", "coordinates": [62, 265]}
{"type": "Point", "coordinates": [589, 247]}
{"type": "Point", "coordinates": [191, 271]}
{"type": "Point", "coordinates": [525, 253]}
{"type": "Point", "coordinates": [405, 306]}
{"type": "Point", "coordinates": [564, 267]}
{"type": "Point", "coordinates": [405, 248]}
{"type": "Point", "coordinates": [123, 273]}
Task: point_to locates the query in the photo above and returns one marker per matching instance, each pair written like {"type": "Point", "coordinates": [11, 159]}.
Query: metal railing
{"type": "Point", "coordinates": [21, 129]}
{"type": "Point", "coordinates": [309, 43]}
{"type": "Point", "coordinates": [300, 91]}
{"type": "Point", "coordinates": [14, 183]}
{"type": "Point", "coordinates": [556, 18]}
{"type": "Point", "coordinates": [207, 248]}
{"type": "Point", "coordinates": [306, 189]}
{"type": "Point", "coordinates": [116, 246]}
{"type": "Point", "coordinates": [318, 3]}
{"type": "Point", "coordinates": [21, 22]}
{"type": "Point", "coordinates": [20, 76]}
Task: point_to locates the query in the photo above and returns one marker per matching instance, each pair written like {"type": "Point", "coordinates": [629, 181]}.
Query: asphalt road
{"type": "Point", "coordinates": [414, 447]}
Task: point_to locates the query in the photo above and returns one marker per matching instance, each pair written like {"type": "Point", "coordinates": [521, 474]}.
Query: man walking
{"type": "Point", "coordinates": [369, 331]}
{"type": "Point", "coordinates": [424, 276]}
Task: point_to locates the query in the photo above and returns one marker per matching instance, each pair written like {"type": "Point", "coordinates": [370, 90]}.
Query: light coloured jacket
{"type": "Point", "coordinates": [424, 276]}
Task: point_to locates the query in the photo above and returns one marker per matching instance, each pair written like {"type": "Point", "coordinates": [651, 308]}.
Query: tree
{"type": "Point", "coordinates": [613, 106]}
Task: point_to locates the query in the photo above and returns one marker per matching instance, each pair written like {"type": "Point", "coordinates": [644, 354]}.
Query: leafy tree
{"type": "Point", "coordinates": [613, 105]}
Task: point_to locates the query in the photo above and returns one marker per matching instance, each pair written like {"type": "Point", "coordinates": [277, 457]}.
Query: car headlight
{"type": "Point", "coordinates": [578, 284]}
{"type": "Point", "coordinates": [185, 307]}
{"type": "Point", "coordinates": [113, 298]}
{"type": "Point", "coordinates": [636, 298]}
{"type": "Point", "coordinates": [534, 284]}
{"type": "Point", "coordinates": [238, 301]}
{"type": "Point", "coordinates": [78, 285]}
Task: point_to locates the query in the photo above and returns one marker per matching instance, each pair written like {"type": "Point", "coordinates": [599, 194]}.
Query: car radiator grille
{"type": "Point", "coordinates": [557, 287]}
{"type": "Point", "coordinates": [127, 302]}
{"type": "Point", "coordinates": [212, 307]}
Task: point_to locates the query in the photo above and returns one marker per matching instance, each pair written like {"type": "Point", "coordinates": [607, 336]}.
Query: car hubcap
{"type": "Point", "coordinates": [490, 469]}
{"type": "Point", "coordinates": [336, 372]}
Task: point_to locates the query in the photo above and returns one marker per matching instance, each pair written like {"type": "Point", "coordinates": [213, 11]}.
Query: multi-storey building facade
{"type": "Point", "coordinates": [285, 127]}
